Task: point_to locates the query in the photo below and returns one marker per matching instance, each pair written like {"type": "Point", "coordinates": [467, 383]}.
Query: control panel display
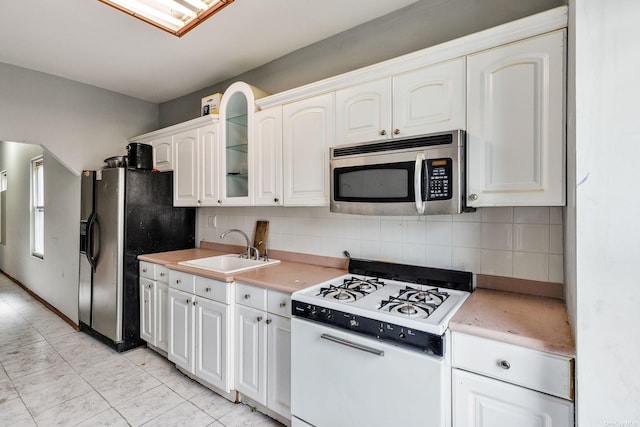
{"type": "Point", "coordinates": [440, 179]}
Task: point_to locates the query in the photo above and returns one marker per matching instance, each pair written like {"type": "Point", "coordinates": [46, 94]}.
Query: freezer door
{"type": "Point", "coordinates": [108, 276]}
{"type": "Point", "coordinates": [86, 211]}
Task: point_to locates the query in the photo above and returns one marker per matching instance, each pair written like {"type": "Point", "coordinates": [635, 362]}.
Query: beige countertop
{"type": "Point", "coordinates": [536, 322]}
{"type": "Point", "coordinates": [288, 276]}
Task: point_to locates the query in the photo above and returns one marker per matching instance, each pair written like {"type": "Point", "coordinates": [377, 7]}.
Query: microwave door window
{"type": "Point", "coordinates": [390, 183]}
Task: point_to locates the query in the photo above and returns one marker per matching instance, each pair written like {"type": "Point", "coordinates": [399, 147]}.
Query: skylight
{"type": "Point", "coordinates": [174, 16]}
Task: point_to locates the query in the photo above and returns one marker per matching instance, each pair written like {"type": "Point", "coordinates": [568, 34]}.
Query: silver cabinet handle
{"type": "Point", "coordinates": [504, 364]}
{"type": "Point", "coordinates": [150, 285]}
{"type": "Point", "coordinates": [247, 296]}
{"type": "Point", "coordinates": [283, 304]}
{"type": "Point", "coordinates": [396, 131]}
{"type": "Point", "coordinates": [144, 270]}
{"type": "Point", "coordinates": [268, 321]}
{"type": "Point", "coordinates": [352, 344]}
{"type": "Point", "coordinates": [188, 302]}
{"type": "Point", "coordinates": [259, 318]}
{"type": "Point", "coordinates": [473, 197]}
{"type": "Point", "coordinates": [178, 281]}
{"type": "Point", "coordinates": [207, 290]}
{"type": "Point", "coordinates": [383, 132]}
{"type": "Point", "coordinates": [275, 199]}
{"type": "Point", "coordinates": [195, 302]}
{"type": "Point", "coordinates": [161, 274]}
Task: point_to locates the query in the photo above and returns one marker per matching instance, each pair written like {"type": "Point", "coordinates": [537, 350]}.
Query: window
{"type": "Point", "coordinates": [3, 204]}
{"type": "Point", "coordinates": [37, 207]}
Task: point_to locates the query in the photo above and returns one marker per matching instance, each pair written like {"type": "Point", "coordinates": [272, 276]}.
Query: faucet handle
{"type": "Point", "coordinates": [256, 252]}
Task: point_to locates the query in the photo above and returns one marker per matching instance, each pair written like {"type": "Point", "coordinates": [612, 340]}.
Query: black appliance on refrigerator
{"type": "Point", "coordinates": [124, 213]}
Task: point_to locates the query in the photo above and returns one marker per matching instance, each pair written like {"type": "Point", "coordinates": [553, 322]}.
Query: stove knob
{"type": "Point", "coordinates": [329, 316]}
{"type": "Point", "coordinates": [353, 322]}
{"type": "Point", "coordinates": [402, 335]}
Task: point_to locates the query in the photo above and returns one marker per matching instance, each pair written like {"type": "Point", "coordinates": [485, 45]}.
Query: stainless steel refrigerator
{"type": "Point", "coordinates": [124, 213]}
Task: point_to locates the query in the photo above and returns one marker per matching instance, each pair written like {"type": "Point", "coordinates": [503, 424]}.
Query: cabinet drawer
{"type": "Point", "coordinates": [148, 270]}
{"type": "Point", "coordinates": [279, 303]}
{"type": "Point", "coordinates": [182, 281]}
{"type": "Point", "coordinates": [162, 273]}
{"type": "Point", "coordinates": [545, 372]}
{"type": "Point", "coordinates": [213, 289]}
{"type": "Point", "coordinates": [251, 296]}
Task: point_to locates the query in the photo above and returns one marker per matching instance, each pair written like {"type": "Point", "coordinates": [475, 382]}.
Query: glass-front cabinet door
{"type": "Point", "coordinates": [236, 116]}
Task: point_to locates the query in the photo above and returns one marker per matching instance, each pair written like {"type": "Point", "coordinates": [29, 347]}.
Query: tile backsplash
{"type": "Point", "coordinates": [522, 242]}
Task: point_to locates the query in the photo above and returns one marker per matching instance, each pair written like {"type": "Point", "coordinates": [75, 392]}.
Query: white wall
{"type": "Point", "coordinates": [607, 127]}
{"type": "Point", "coordinates": [512, 242]}
{"type": "Point", "coordinates": [81, 125]}
{"type": "Point", "coordinates": [54, 278]}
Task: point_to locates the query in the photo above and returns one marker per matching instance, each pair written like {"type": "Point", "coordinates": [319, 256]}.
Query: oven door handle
{"type": "Point", "coordinates": [352, 344]}
{"type": "Point", "coordinates": [417, 183]}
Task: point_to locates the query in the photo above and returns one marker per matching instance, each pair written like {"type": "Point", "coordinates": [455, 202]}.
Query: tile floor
{"type": "Point", "coordinates": [51, 375]}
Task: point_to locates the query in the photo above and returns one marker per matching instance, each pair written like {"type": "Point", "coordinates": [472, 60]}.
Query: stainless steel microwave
{"type": "Point", "coordinates": [422, 175]}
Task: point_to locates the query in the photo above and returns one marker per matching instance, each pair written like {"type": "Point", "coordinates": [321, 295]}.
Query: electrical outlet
{"type": "Point", "coordinates": [212, 222]}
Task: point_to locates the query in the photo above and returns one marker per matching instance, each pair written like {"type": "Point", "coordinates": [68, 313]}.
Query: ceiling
{"type": "Point", "coordinates": [90, 42]}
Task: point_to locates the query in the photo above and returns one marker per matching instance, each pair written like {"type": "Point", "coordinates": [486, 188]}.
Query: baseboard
{"type": "Point", "coordinates": [42, 301]}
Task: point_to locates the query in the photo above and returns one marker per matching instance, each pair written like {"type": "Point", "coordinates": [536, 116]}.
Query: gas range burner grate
{"type": "Point", "coordinates": [351, 289]}
{"type": "Point", "coordinates": [412, 302]}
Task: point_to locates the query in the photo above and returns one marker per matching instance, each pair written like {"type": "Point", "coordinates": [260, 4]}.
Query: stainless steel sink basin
{"type": "Point", "coordinates": [228, 264]}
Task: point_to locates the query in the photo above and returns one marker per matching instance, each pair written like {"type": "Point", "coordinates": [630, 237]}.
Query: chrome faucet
{"type": "Point", "coordinates": [256, 254]}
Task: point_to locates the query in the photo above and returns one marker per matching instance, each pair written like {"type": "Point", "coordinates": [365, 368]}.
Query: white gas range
{"type": "Point", "coordinates": [373, 342]}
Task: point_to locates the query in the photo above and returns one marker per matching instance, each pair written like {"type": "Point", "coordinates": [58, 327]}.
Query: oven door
{"type": "Point", "coordinates": [342, 379]}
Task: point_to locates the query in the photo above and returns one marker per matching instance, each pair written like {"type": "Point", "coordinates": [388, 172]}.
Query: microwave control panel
{"type": "Point", "coordinates": [439, 179]}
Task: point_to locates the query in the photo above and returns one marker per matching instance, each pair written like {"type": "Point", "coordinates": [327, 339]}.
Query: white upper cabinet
{"type": "Point", "coordinates": [209, 177]}
{"type": "Point", "coordinates": [430, 99]}
{"type": "Point", "coordinates": [308, 132]}
{"type": "Point", "coordinates": [363, 112]}
{"type": "Point", "coordinates": [515, 129]}
{"type": "Point", "coordinates": [185, 177]}
{"type": "Point", "coordinates": [268, 157]}
{"type": "Point", "coordinates": [237, 110]}
{"type": "Point", "coordinates": [421, 101]}
{"type": "Point", "coordinates": [162, 153]}
{"type": "Point", "coordinates": [196, 174]}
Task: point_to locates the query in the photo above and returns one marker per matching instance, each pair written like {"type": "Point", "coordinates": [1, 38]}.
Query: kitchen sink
{"type": "Point", "coordinates": [228, 264]}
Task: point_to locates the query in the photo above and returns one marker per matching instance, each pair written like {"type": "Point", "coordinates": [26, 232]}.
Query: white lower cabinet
{"type": "Point", "coordinates": [154, 308]}
{"type": "Point", "coordinates": [263, 348]}
{"type": "Point", "coordinates": [199, 338]}
{"type": "Point", "coordinates": [479, 401]}
{"type": "Point", "coordinates": [496, 384]}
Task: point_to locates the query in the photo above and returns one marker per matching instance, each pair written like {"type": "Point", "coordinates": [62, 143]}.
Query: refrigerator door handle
{"type": "Point", "coordinates": [91, 244]}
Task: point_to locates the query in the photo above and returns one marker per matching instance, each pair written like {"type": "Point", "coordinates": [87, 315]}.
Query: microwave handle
{"type": "Point", "coordinates": [417, 183]}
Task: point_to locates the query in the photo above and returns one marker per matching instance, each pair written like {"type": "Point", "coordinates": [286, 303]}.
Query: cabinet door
{"type": "Point", "coordinates": [209, 171]}
{"type": "Point", "coordinates": [163, 153]}
{"type": "Point", "coordinates": [251, 352]}
{"type": "Point", "coordinates": [162, 316]}
{"type": "Point", "coordinates": [268, 157]}
{"type": "Point", "coordinates": [181, 329]}
{"type": "Point", "coordinates": [515, 132]}
{"type": "Point", "coordinates": [279, 365]}
{"type": "Point", "coordinates": [185, 176]}
{"type": "Point", "coordinates": [430, 99]}
{"type": "Point", "coordinates": [236, 116]}
{"type": "Point", "coordinates": [363, 112]}
{"type": "Point", "coordinates": [147, 311]}
{"type": "Point", "coordinates": [211, 358]}
{"type": "Point", "coordinates": [479, 401]}
{"type": "Point", "coordinates": [308, 132]}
